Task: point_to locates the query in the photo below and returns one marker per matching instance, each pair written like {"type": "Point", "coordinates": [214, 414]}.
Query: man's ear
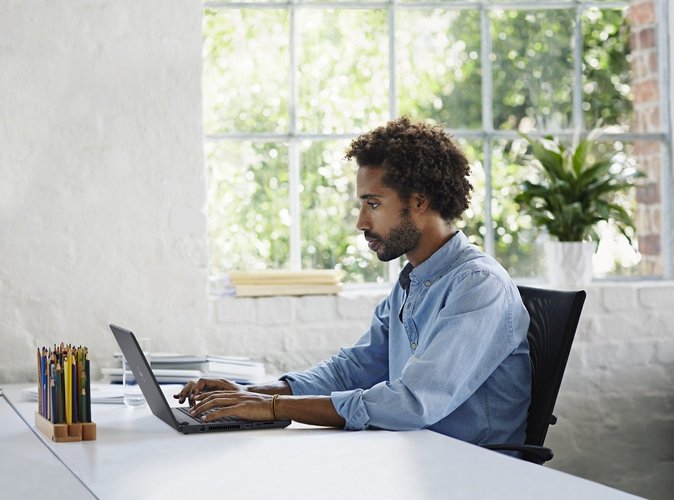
{"type": "Point", "coordinates": [419, 202]}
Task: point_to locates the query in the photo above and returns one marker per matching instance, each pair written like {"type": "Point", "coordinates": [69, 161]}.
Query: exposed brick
{"type": "Point", "coordinates": [649, 244]}
{"type": "Point", "coordinates": [649, 165]}
{"type": "Point", "coordinates": [641, 13]}
{"type": "Point", "coordinates": [652, 119]}
{"type": "Point", "coordinates": [651, 265]}
{"type": "Point", "coordinates": [646, 91]}
{"type": "Point", "coordinates": [648, 193]}
{"type": "Point", "coordinates": [648, 220]}
{"type": "Point", "coordinates": [643, 148]}
{"type": "Point", "coordinates": [644, 64]}
{"type": "Point", "coordinates": [647, 38]}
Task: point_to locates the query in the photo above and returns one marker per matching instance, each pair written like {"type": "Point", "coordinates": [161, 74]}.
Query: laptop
{"type": "Point", "coordinates": [176, 417]}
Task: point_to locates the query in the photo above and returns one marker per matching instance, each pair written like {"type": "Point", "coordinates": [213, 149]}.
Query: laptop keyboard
{"type": "Point", "coordinates": [186, 411]}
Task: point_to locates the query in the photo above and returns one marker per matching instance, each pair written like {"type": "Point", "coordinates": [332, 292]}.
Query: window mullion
{"type": "Point", "coordinates": [577, 111]}
{"type": "Point", "coordinates": [393, 265]}
{"type": "Point", "coordinates": [294, 151]}
{"type": "Point", "coordinates": [488, 127]}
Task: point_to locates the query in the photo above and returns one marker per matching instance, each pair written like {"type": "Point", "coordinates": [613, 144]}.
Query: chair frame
{"type": "Point", "coordinates": [546, 379]}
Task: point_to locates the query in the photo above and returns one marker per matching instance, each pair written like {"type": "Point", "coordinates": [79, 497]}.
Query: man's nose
{"type": "Point", "coordinates": [362, 223]}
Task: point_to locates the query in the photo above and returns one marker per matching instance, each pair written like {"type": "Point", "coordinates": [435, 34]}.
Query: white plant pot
{"type": "Point", "coordinates": [569, 263]}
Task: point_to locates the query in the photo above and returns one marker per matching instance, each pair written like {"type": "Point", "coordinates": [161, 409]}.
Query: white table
{"type": "Point", "coordinates": [138, 456]}
{"type": "Point", "coordinates": [27, 468]}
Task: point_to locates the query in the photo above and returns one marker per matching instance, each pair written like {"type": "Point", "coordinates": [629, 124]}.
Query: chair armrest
{"type": "Point", "coordinates": [530, 452]}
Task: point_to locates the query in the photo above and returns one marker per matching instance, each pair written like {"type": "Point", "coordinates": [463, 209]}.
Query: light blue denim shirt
{"type": "Point", "coordinates": [457, 363]}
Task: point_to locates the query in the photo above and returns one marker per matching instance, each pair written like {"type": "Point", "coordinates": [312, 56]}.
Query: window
{"type": "Point", "coordinates": [288, 84]}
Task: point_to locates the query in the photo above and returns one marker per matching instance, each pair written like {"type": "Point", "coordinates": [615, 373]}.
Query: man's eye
{"type": "Point", "coordinates": [373, 205]}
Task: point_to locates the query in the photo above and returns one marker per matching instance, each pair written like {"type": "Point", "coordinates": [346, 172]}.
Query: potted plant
{"type": "Point", "coordinates": [575, 188]}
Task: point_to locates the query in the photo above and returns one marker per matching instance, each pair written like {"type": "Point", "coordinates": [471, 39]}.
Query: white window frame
{"type": "Point", "coordinates": [488, 135]}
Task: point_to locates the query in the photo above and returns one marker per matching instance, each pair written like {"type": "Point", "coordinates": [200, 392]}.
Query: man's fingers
{"type": "Point", "coordinates": [212, 401]}
{"type": "Point", "coordinates": [184, 392]}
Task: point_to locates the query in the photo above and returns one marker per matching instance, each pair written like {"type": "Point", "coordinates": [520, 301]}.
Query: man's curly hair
{"type": "Point", "coordinates": [418, 158]}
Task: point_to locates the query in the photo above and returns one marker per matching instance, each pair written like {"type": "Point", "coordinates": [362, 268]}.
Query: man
{"type": "Point", "coordinates": [447, 349]}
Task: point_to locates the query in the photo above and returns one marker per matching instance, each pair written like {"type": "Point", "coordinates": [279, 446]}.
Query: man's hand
{"type": "Point", "coordinates": [205, 385]}
{"type": "Point", "coordinates": [243, 404]}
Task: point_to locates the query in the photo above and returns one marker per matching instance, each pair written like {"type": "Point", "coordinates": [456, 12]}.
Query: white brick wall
{"type": "Point", "coordinates": [616, 404]}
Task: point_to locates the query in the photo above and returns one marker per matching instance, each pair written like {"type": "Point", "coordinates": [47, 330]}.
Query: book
{"type": "Point", "coordinates": [179, 368]}
{"type": "Point", "coordinates": [272, 290]}
{"type": "Point", "coordinates": [278, 282]}
{"type": "Point", "coordinates": [114, 375]}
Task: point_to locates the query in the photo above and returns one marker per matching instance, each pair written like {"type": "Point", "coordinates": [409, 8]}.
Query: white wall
{"type": "Point", "coordinates": [101, 175]}
{"type": "Point", "coordinates": [101, 197]}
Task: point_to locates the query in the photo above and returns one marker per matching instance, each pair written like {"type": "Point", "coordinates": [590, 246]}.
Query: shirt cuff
{"type": "Point", "coordinates": [300, 384]}
{"type": "Point", "coordinates": [350, 406]}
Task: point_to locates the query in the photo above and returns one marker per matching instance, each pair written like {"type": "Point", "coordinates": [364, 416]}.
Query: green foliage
{"type": "Point", "coordinates": [576, 188]}
{"type": "Point", "coordinates": [343, 88]}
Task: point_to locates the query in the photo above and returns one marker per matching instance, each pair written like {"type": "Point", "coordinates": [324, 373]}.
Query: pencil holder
{"type": "Point", "coordinates": [64, 433]}
{"type": "Point", "coordinates": [64, 394]}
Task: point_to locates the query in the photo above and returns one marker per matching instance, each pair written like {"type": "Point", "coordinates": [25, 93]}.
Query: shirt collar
{"type": "Point", "coordinates": [438, 263]}
{"type": "Point", "coordinates": [404, 277]}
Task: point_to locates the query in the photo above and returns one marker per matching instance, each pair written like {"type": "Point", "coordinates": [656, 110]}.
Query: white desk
{"type": "Point", "coordinates": [136, 455]}
{"type": "Point", "coordinates": [27, 468]}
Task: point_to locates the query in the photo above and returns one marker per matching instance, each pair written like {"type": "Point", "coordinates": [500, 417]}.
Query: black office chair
{"type": "Point", "coordinates": [554, 317]}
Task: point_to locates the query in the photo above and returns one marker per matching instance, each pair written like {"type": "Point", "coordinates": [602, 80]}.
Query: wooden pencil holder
{"type": "Point", "coordinates": [63, 433]}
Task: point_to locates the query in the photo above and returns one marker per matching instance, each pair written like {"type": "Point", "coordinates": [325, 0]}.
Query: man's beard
{"type": "Point", "coordinates": [400, 239]}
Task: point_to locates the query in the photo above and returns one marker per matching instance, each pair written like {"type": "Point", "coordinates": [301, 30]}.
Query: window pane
{"type": "Point", "coordinates": [343, 70]}
{"type": "Point", "coordinates": [246, 67]}
{"type": "Point", "coordinates": [472, 222]}
{"type": "Point", "coordinates": [438, 66]}
{"type": "Point", "coordinates": [532, 68]}
{"type": "Point", "coordinates": [517, 248]}
{"type": "Point", "coordinates": [248, 215]}
{"type": "Point", "coordinates": [615, 255]}
{"type": "Point", "coordinates": [607, 78]}
{"type": "Point", "coordinates": [515, 239]}
{"type": "Point", "coordinates": [329, 208]}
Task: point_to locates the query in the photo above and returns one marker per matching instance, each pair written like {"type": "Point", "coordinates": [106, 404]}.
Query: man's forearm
{"type": "Point", "coordinates": [314, 410]}
{"type": "Point", "coordinates": [278, 387]}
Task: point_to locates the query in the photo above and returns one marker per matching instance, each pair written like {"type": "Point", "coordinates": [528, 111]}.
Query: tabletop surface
{"type": "Point", "coordinates": [136, 455]}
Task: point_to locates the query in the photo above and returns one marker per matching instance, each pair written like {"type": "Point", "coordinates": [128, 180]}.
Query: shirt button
{"type": "Point", "coordinates": [413, 345]}
{"type": "Point", "coordinates": [427, 283]}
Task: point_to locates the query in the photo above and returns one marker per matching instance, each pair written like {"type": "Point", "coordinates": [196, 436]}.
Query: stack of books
{"type": "Point", "coordinates": [180, 368]}
{"type": "Point", "coordinates": [276, 282]}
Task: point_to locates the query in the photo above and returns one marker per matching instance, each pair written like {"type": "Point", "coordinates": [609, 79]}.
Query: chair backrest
{"type": "Point", "coordinates": [554, 316]}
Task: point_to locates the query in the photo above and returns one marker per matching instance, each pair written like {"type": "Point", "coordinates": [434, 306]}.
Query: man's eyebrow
{"type": "Point", "coordinates": [369, 196]}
